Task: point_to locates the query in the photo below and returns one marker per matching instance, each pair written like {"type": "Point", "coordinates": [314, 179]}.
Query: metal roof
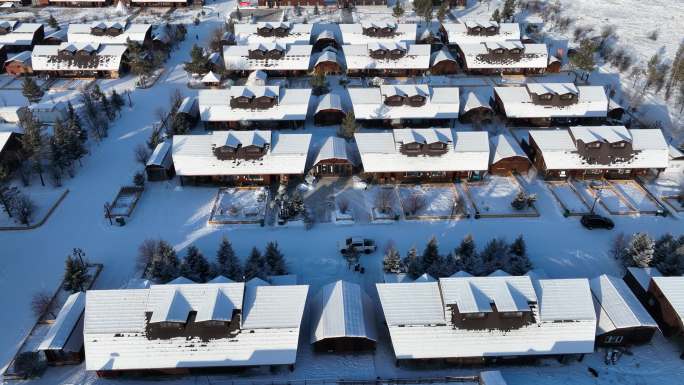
{"type": "Point", "coordinates": [342, 309]}
{"type": "Point", "coordinates": [619, 306]}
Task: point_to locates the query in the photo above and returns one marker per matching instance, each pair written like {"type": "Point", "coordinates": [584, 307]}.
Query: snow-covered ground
{"type": "Point", "coordinates": [432, 201]}
{"type": "Point", "coordinates": [494, 195]}
{"type": "Point", "coordinates": [569, 198]}
{"type": "Point", "coordinates": [636, 196]}
{"type": "Point", "coordinates": [33, 260]}
{"type": "Point", "coordinates": [236, 205]}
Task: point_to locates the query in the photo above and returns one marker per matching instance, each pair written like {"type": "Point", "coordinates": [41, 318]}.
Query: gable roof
{"type": "Point", "coordinates": [477, 294]}
{"type": "Point", "coordinates": [673, 290]}
{"type": "Point", "coordinates": [292, 104]}
{"type": "Point", "coordinates": [65, 323]}
{"type": "Point", "coordinates": [411, 303]}
{"type": "Point", "coordinates": [81, 33]}
{"type": "Point", "coordinates": [296, 57]}
{"type": "Point", "coordinates": [334, 148]}
{"type": "Point", "coordinates": [268, 307]}
{"type": "Point", "coordinates": [643, 275]}
{"type": "Point", "coordinates": [246, 34]}
{"type": "Point", "coordinates": [357, 56]}
{"type": "Point", "coordinates": [517, 101]}
{"type": "Point", "coordinates": [618, 306]}
{"type": "Point", "coordinates": [566, 300]}
{"type": "Point", "coordinates": [533, 56]}
{"type": "Point", "coordinates": [505, 147]}
{"type": "Point", "coordinates": [441, 102]}
{"type": "Point", "coordinates": [353, 33]}
{"type": "Point", "coordinates": [457, 33]}
{"type": "Point", "coordinates": [342, 309]}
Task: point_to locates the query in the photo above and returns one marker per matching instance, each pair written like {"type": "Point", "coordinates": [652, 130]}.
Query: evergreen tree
{"type": "Point", "coordinates": [442, 11]}
{"type": "Point", "coordinates": [319, 83]}
{"type": "Point", "coordinates": [108, 109]}
{"type": "Point", "coordinates": [494, 256]}
{"type": "Point", "coordinates": [639, 251]}
{"type": "Point", "coordinates": [496, 16]}
{"type": "Point", "coordinates": [398, 10]}
{"type": "Point", "coordinates": [59, 157]}
{"type": "Point", "coordinates": [255, 266]}
{"type": "Point", "coordinates": [668, 255]}
{"type": "Point", "coordinates": [31, 90]}
{"type": "Point", "coordinates": [8, 193]}
{"type": "Point", "coordinates": [453, 263]}
{"type": "Point", "coordinates": [140, 61]}
{"type": "Point", "coordinates": [227, 264]}
{"type": "Point", "coordinates": [75, 271]}
{"type": "Point", "coordinates": [199, 61]}
{"type": "Point", "coordinates": [116, 101]}
{"type": "Point", "coordinates": [52, 22]}
{"type": "Point", "coordinates": [315, 10]}
{"type": "Point", "coordinates": [33, 143]}
{"type": "Point", "coordinates": [467, 255]}
{"type": "Point", "coordinates": [165, 265]}
{"type": "Point", "coordinates": [508, 10]}
{"type": "Point", "coordinates": [430, 254]}
{"type": "Point", "coordinates": [391, 263]}
{"type": "Point", "coordinates": [414, 266]}
{"type": "Point", "coordinates": [518, 246]}
{"type": "Point", "coordinates": [275, 259]}
{"type": "Point", "coordinates": [195, 266]}
{"type": "Point", "coordinates": [348, 126]}
{"type": "Point", "coordinates": [518, 261]}
{"type": "Point", "coordinates": [583, 58]}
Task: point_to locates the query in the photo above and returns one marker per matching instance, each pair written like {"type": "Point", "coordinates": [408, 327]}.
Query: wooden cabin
{"type": "Point", "coordinates": [63, 343]}
{"type": "Point", "coordinates": [276, 59]}
{"type": "Point", "coordinates": [387, 59]}
{"type": "Point", "coordinates": [327, 63]}
{"type": "Point", "coordinates": [475, 106]}
{"type": "Point", "coordinates": [507, 157]}
{"type": "Point", "coordinates": [76, 3]}
{"type": "Point", "coordinates": [19, 64]}
{"type": "Point", "coordinates": [668, 304]}
{"type": "Point", "coordinates": [442, 62]}
{"type": "Point", "coordinates": [79, 60]}
{"type": "Point", "coordinates": [639, 280]}
{"type": "Point", "coordinates": [334, 159]}
{"type": "Point", "coordinates": [503, 57]}
{"type": "Point", "coordinates": [329, 110]}
{"type": "Point", "coordinates": [160, 165]}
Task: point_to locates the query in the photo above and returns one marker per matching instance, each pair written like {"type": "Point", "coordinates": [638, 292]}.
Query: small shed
{"type": "Point", "coordinates": [19, 64]}
{"type": "Point", "coordinates": [329, 110]}
{"type": "Point", "coordinates": [342, 319]}
{"type": "Point", "coordinates": [160, 165]}
{"type": "Point", "coordinates": [475, 106]}
{"type": "Point", "coordinates": [554, 65]}
{"type": "Point", "coordinates": [325, 39]}
{"type": "Point", "coordinates": [63, 343]}
{"type": "Point", "coordinates": [622, 320]}
{"type": "Point", "coordinates": [49, 111]}
{"type": "Point", "coordinates": [639, 279]}
{"type": "Point", "coordinates": [211, 79]}
{"type": "Point", "coordinates": [257, 78]}
{"type": "Point", "coordinates": [327, 62]}
{"type": "Point", "coordinates": [442, 62]}
{"type": "Point", "coordinates": [506, 156]}
{"type": "Point", "coordinates": [667, 295]}
{"type": "Point", "coordinates": [334, 159]}
{"type": "Point", "coordinates": [615, 110]}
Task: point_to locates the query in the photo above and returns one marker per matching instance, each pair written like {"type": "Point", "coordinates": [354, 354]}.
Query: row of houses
{"type": "Point", "coordinates": [186, 327]}
{"type": "Point", "coordinates": [107, 3]}
{"type": "Point", "coordinates": [410, 105]}
{"type": "Point", "coordinates": [409, 155]}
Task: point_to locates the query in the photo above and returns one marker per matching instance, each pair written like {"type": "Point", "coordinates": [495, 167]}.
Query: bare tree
{"type": "Point", "coordinates": [618, 246]}
{"type": "Point", "coordinates": [383, 200]}
{"type": "Point", "coordinates": [343, 205]}
{"type": "Point", "coordinates": [146, 252]}
{"type": "Point", "coordinates": [142, 154]}
{"type": "Point", "coordinates": [176, 98]}
{"type": "Point", "coordinates": [24, 208]}
{"type": "Point", "coordinates": [163, 116]}
{"type": "Point", "coordinates": [414, 203]}
{"type": "Point", "coordinates": [41, 304]}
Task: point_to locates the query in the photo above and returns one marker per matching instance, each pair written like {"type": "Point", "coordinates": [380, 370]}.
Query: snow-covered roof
{"type": "Point", "coordinates": [504, 147]}
{"type": "Point", "coordinates": [477, 294]}
{"type": "Point", "coordinates": [211, 77]}
{"type": "Point", "coordinates": [329, 101]}
{"type": "Point", "coordinates": [560, 153]}
{"type": "Point", "coordinates": [492, 377]}
{"type": "Point", "coordinates": [334, 148]}
{"type": "Point", "coordinates": [326, 56]}
{"type": "Point", "coordinates": [357, 56]}
{"type": "Point", "coordinates": [160, 156]}
{"type": "Point", "coordinates": [256, 281]}
{"type": "Point", "coordinates": [180, 280]}
{"type": "Point", "coordinates": [618, 307]}
{"type": "Point", "coordinates": [82, 33]}
{"type": "Point", "coordinates": [675, 153]}
{"type": "Point", "coordinates": [643, 275]}
{"type": "Point", "coordinates": [291, 104]}
{"type": "Point", "coordinates": [104, 57]}
{"type": "Point", "coordinates": [342, 309]}
{"type": "Point", "coordinates": [296, 57]}
{"type": "Point", "coordinates": [19, 33]}
{"type": "Point", "coordinates": [59, 34]}
{"type": "Point", "coordinates": [440, 56]}
{"type": "Point", "coordinates": [406, 304]}
{"type": "Point", "coordinates": [189, 106]}
{"type": "Point", "coordinates": [5, 136]}
{"type": "Point", "coordinates": [116, 327]}
{"type": "Point", "coordinates": [257, 78]}
{"type": "Point", "coordinates": [65, 323]}
{"type": "Point", "coordinates": [517, 101]}
{"type": "Point", "coordinates": [353, 33]}
{"type": "Point", "coordinates": [396, 278]}
{"type": "Point", "coordinates": [476, 98]}
{"type": "Point", "coordinates": [480, 56]}
{"type": "Point", "coordinates": [673, 291]}
{"type": "Point", "coordinates": [460, 273]}
{"type": "Point", "coordinates": [11, 114]}
{"type": "Point", "coordinates": [273, 307]}
{"type": "Point", "coordinates": [425, 277]}
{"type": "Point", "coordinates": [603, 134]}
{"type": "Point", "coordinates": [380, 152]}
{"type": "Point", "coordinates": [193, 155]}
{"type": "Point", "coordinates": [457, 33]}
{"type": "Point", "coordinates": [220, 279]}
{"type": "Point", "coordinates": [441, 102]}
{"type": "Point", "coordinates": [418, 327]}
{"type": "Point", "coordinates": [21, 57]}
{"type": "Point", "coordinates": [246, 34]}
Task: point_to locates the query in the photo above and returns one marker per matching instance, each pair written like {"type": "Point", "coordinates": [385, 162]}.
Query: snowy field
{"type": "Point", "coordinates": [431, 201]}
{"type": "Point", "coordinates": [43, 197]}
{"type": "Point", "coordinates": [34, 260]}
{"type": "Point", "coordinates": [494, 195]}
{"type": "Point", "coordinates": [568, 197]}
{"type": "Point", "coordinates": [240, 205]}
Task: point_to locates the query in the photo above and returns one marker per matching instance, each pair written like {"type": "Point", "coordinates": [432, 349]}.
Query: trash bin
{"type": "Point", "coordinates": [121, 221]}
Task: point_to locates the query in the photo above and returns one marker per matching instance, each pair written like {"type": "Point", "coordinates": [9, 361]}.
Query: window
{"type": "Point", "coordinates": [545, 97]}
{"type": "Point", "coordinates": [567, 96]}
{"type": "Point", "coordinates": [618, 145]}
{"type": "Point", "coordinates": [562, 174]}
{"type": "Point", "coordinates": [412, 147]}
{"type": "Point", "coordinates": [613, 339]}
{"type": "Point", "coordinates": [255, 177]}
{"type": "Point", "coordinates": [499, 51]}
{"type": "Point", "coordinates": [474, 315]}
{"type": "Point", "coordinates": [594, 145]}
{"type": "Point", "coordinates": [511, 314]}
{"type": "Point", "coordinates": [413, 174]}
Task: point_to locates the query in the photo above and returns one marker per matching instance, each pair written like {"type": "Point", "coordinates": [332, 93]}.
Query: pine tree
{"type": "Point", "coordinates": [116, 101]}
{"type": "Point", "coordinates": [583, 58]}
{"type": "Point", "coordinates": [255, 266]}
{"type": "Point", "coordinates": [75, 271]}
{"type": "Point", "coordinates": [52, 22]}
{"type": "Point", "coordinates": [668, 255]}
{"type": "Point", "coordinates": [199, 62]}
{"type": "Point", "coordinates": [391, 263]}
{"type": "Point", "coordinates": [494, 256]}
{"type": "Point", "coordinates": [639, 251]}
{"type": "Point", "coordinates": [33, 143]}
{"type": "Point", "coordinates": [195, 266]}
{"type": "Point", "coordinates": [275, 259]}
{"type": "Point", "coordinates": [508, 10]}
{"type": "Point", "coordinates": [518, 246]}
{"type": "Point", "coordinates": [348, 126]}
{"type": "Point", "coordinates": [496, 16]}
{"type": "Point", "coordinates": [8, 193]}
{"type": "Point", "coordinates": [442, 11]}
{"type": "Point", "coordinates": [518, 261]}
{"type": "Point", "coordinates": [430, 254]}
{"type": "Point", "coordinates": [165, 265]}
{"type": "Point", "coordinates": [31, 90]}
{"type": "Point", "coordinates": [398, 10]}
{"type": "Point", "coordinates": [414, 266]}
{"type": "Point", "coordinates": [468, 256]}
{"type": "Point", "coordinates": [227, 264]}
{"type": "Point", "coordinates": [108, 109]}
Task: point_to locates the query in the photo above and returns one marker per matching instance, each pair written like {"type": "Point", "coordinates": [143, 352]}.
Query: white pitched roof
{"type": "Point", "coordinates": [619, 307]}
{"type": "Point", "coordinates": [477, 294]}
{"type": "Point", "coordinates": [457, 33]}
{"type": "Point", "coordinates": [643, 275]}
{"type": "Point", "coordinates": [673, 290]}
{"type": "Point", "coordinates": [342, 309]}
{"type": "Point", "coordinates": [368, 103]}
{"type": "Point", "coordinates": [560, 153]}
{"type": "Point", "coordinates": [517, 102]}
{"type": "Point", "coordinates": [425, 277]}
{"type": "Point", "coordinates": [180, 280]}
{"type": "Point", "coordinates": [604, 134]}
{"type": "Point", "coordinates": [246, 34]}
{"type": "Point", "coordinates": [11, 114]}
{"type": "Point", "coordinates": [269, 307]}
{"type": "Point", "coordinates": [503, 147]}
{"type": "Point", "coordinates": [292, 104]}
{"type": "Point", "coordinates": [329, 101]}
{"type": "Point", "coordinates": [534, 55]}
{"type": "Point", "coordinates": [353, 33]}
{"type": "Point", "coordinates": [357, 56]}
{"type": "Point", "coordinates": [396, 278]}
{"type": "Point", "coordinates": [20, 33]}
{"type": "Point", "coordinates": [333, 148]}
{"type": "Point", "coordinates": [380, 153]}
{"type": "Point", "coordinates": [411, 303]}
{"type": "Point", "coordinates": [193, 155]}
{"type": "Point", "coordinates": [115, 328]}
{"type": "Point", "coordinates": [566, 300]}
{"type": "Point", "coordinates": [297, 57]}
{"type": "Point", "coordinates": [476, 98]}
{"type": "Point", "coordinates": [211, 77]}
{"type": "Point", "coordinates": [63, 327]}
{"type": "Point", "coordinates": [220, 279]}
{"type": "Point", "coordinates": [81, 33]}
{"type": "Point", "coordinates": [106, 57]}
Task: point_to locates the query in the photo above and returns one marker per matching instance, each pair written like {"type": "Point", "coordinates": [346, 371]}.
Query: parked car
{"type": "Point", "coordinates": [358, 244]}
{"type": "Point", "coordinates": [595, 221]}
